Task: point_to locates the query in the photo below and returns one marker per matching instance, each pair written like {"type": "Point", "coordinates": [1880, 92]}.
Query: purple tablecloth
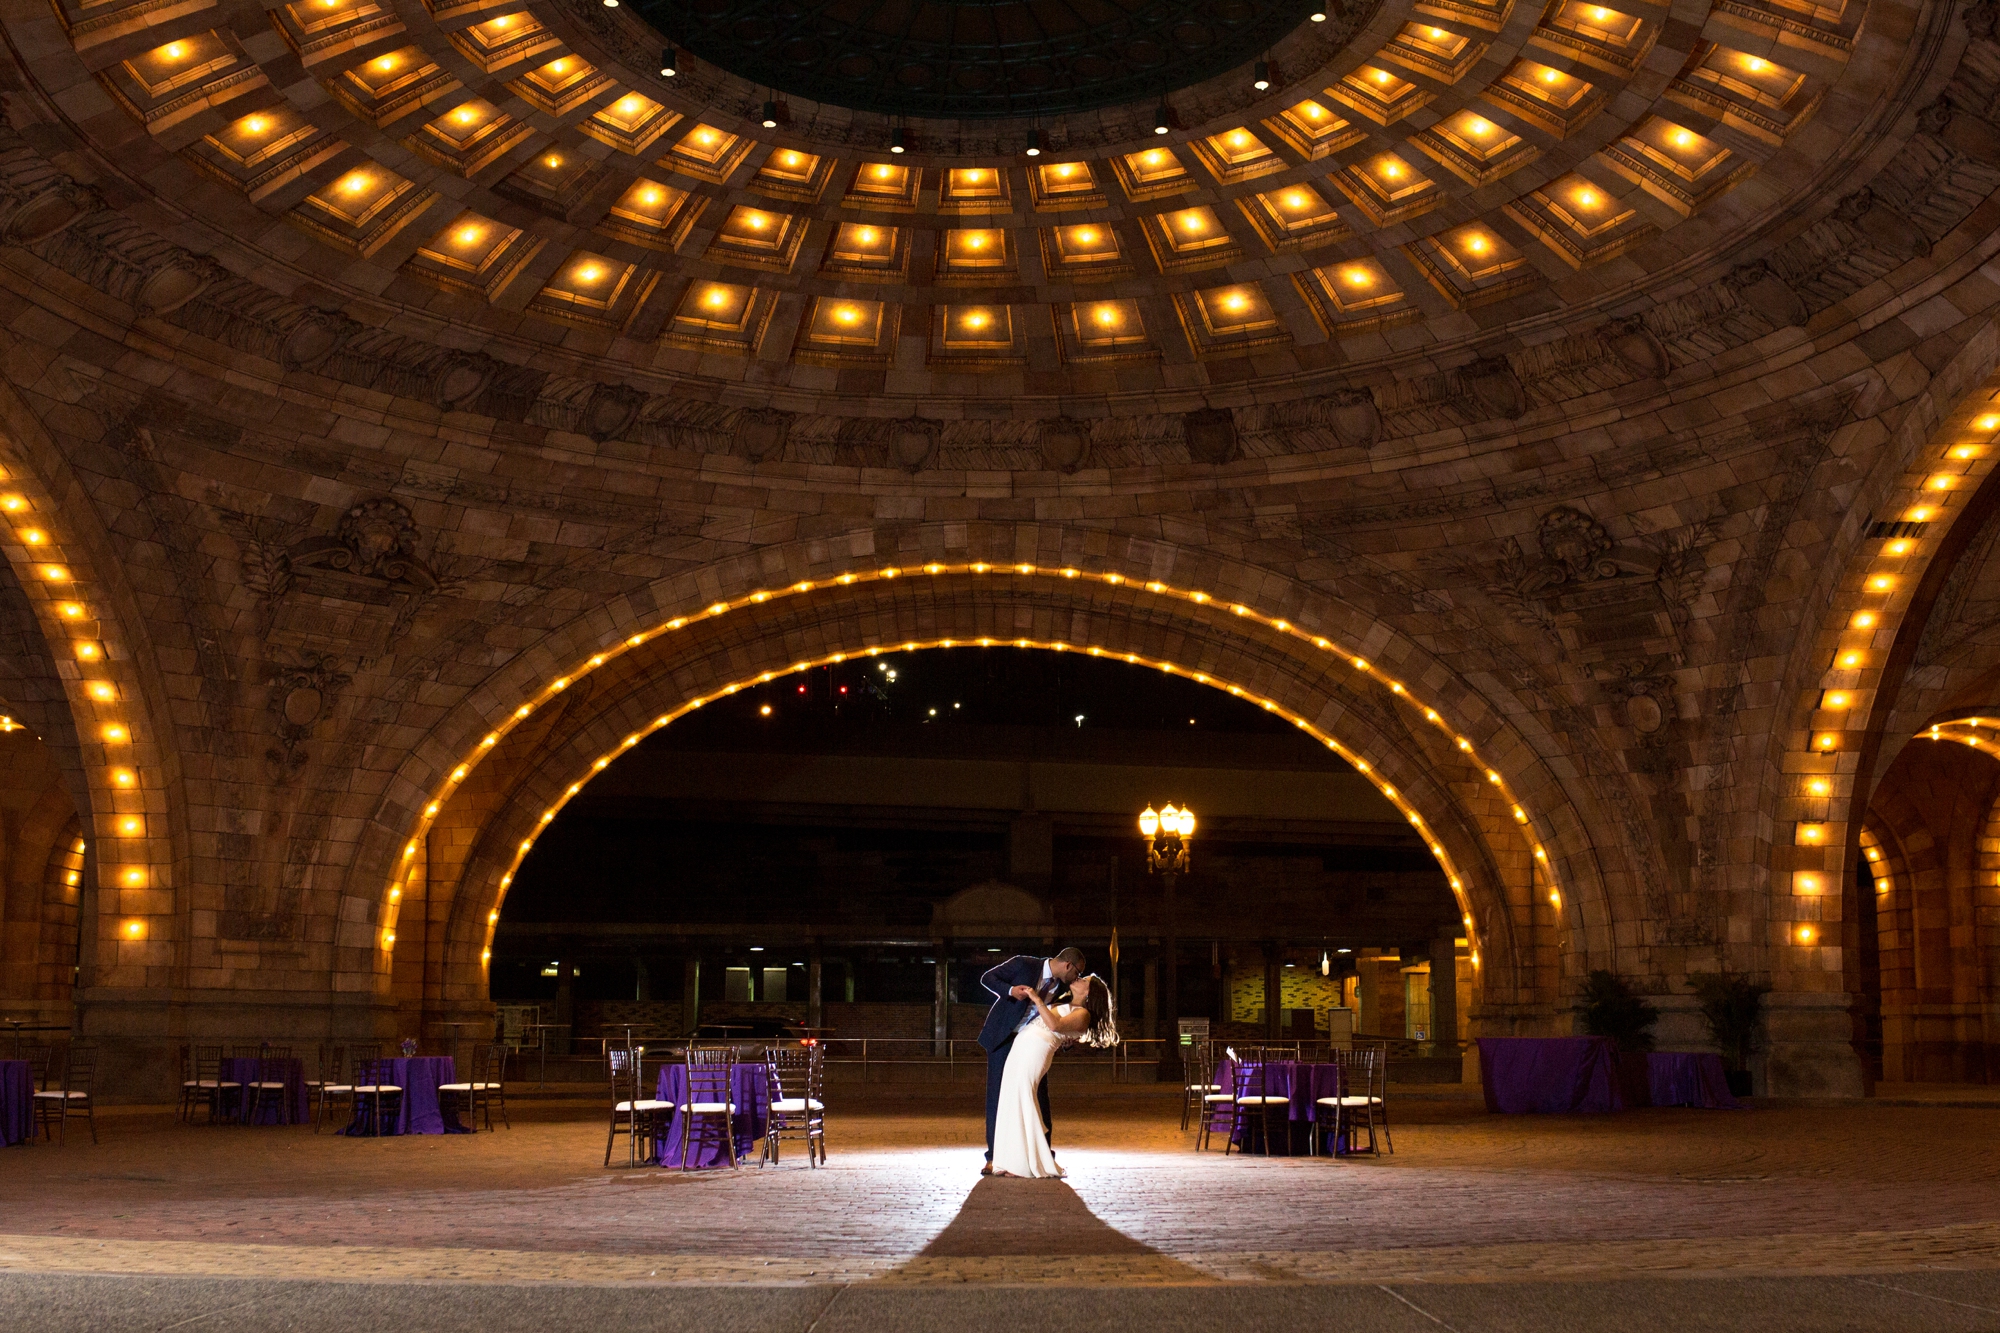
{"type": "Point", "coordinates": [749, 1088]}
{"type": "Point", "coordinates": [1674, 1078]}
{"type": "Point", "coordinates": [17, 1102]}
{"type": "Point", "coordinates": [1548, 1075]}
{"type": "Point", "coordinates": [291, 1109]}
{"type": "Point", "coordinates": [1303, 1084]}
{"type": "Point", "coordinates": [418, 1110]}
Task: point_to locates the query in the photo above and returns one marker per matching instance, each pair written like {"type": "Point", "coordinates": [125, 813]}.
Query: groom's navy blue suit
{"type": "Point", "coordinates": [1002, 1021]}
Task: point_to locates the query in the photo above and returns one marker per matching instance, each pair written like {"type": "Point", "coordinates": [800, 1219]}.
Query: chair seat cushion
{"type": "Point", "coordinates": [489, 1087]}
{"type": "Point", "coordinates": [264, 1085]}
{"type": "Point", "coordinates": [57, 1095]}
{"type": "Point", "coordinates": [1360, 1101]}
{"type": "Point", "coordinates": [1220, 1097]}
{"type": "Point", "coordinates": [1263, 1101]}
{"type": "Point", "coordinates": [641, 1106]}
{"type": "Point", "coordinates": [336, 1087]}
{"type": "Point", "coordinates": [208, 1083]}
{"type": "Point", "coordinates": [454, 1087]}
{"type": "Point", "coordinates": [378, 1087]}
{"type": "Point", "coordinates": [798, 1104]}
{"type": "Point", "coordinates": [707, 1108]}
{"type": "Point", "coordinates": [1204, 1087]}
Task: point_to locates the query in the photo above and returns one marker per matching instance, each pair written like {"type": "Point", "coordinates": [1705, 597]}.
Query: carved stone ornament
{"type": "Point", "coordinates": [913, 444]}
{"type": "Point", "coordinates": [300, 696]}
{"type": "Point", "coordinates": [1210, 434]}
{"type": "Point", "coordinates": [1963, 131]}
{"type": "Point", "coordinates": [1981, 18]}
{"type": "Point", "coordinates": [761, 432]}
{"type": "Point", "coordinates": [610, 409]}
{"type": "Point", "coordinates": [376, 540]}
{"type": "Point", "coordinates": [1886, 229]}
{"type": "Point", "coordinates": [1633, 343]}
{"type": "Point", "coordinates": [1760, 290]}
{"type": "Point", "coordinates": [462, 377]}
{"type": "Point", "coordinates": [176, 279]}
{"type": "Point", "coordinates": [315, 337]}
{"type": "Point", "coordinates": [1065, 444]}
{"type": "Point", "coordinates": [1492, 384]}
{"type": "Point", "coordinates": [1576, 549]}
{"type": "Point", "coordinates": [35, 209]}
{"type": "Point", "coordinates": [1356, 421]}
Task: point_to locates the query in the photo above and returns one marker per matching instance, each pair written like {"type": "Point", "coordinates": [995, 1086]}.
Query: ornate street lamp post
{"type": "Point", "coordinates": [1167, 833]}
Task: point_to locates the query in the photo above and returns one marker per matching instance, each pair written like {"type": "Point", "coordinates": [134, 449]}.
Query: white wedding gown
{"type": "Point", "coordinates": [1020, 1140]}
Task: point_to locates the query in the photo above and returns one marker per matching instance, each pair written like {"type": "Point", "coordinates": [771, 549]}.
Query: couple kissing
{"type": "Point", "coordinates": [1040, 1005]}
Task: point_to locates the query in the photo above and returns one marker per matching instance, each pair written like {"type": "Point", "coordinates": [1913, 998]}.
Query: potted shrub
{"type": "Point", "coordinates": [1732, 1007]}
{"type": "Point", "coordinates": [1611, 1008]}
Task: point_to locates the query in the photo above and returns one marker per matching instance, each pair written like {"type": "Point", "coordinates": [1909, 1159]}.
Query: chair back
{"type": "Point", "coordinates": [40, 1057]}
{"type": "Point", "coordinates": [489, 1062]}
{"type": "Point", "coordinates": [1359, 1069]}
{"type": "Point", "coordinates": [360, 1053]}
{"type": "Point", "coordinates": [329, 1063]}
{"type": "Point", "coordinates": [208, 1063]}
{"type": "Point", "coordinates": [796, 1072]}
{"type": "Point", "coordinates": [79, 1069]}
{"type": "Point", "coordinates": [710, 1073]}
{"type": "Point", "coordinates": [246, 1051]}
{"type": "Point", "coordinates": [1197, 1065]}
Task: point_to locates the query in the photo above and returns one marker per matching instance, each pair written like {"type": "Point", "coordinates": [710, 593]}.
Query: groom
{"type": "Point", "coordinates": [1048, 976]}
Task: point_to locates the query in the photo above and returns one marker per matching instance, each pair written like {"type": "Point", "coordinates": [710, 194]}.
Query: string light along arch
{"type": "Point", "coordinates": [1359, 665]}
{"type": "Point", "coordinates": [1856, 638]}
{"type": "Point", "coordinates": [101, 688]}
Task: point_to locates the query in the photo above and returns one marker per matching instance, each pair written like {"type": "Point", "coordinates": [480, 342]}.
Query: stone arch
{"type": "Point", "coordinates": [1905, 528]}
{"type": "Point", "coordinates": [132, 915]}
{"type": "Point", "coordinates": [1470, 818]}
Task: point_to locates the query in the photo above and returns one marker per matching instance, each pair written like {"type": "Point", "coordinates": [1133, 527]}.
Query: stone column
{"type": "Point", "coordinates": [565, 1002]}
{"type": "Point", "coordinates": [815, 1006]}
{"type": "Point", "coordinates": [1444, 993]}
{"type": "Point", "coordinates": [941, 1003]}
{"type": "Point", "coordinates": [1274, 992]}
{"type": "Point", "coordinates": [691, 994]}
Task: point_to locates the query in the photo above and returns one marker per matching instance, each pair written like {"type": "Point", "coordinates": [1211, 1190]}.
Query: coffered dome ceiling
{"type": "Point", "coordinates": [1441, 211]}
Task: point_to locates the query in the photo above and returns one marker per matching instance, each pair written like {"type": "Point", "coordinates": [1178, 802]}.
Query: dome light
{"type": "Point", "coordinates": [1263, 80]}
{"type": "Point", "coordinates": [670, 62]}
{"type": "Point", "coordinates": [770, 115]}
{"type": "Point", "coordinates": [1037, 141]}
{"type": "Point", "coordinates": [1163, 118]}
{"type": "Point", "coordinates": [897, 140]}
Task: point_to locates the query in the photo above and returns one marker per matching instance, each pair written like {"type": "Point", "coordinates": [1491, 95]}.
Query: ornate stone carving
{"type": "Point", "coordinates": [1759, 289]}
{"type": "Point", "coordinates": [173, 280]}
{"type": "Point", "coordinates": [1633, 343]}
{"type": "Point", "coordinates": [317, 335]}
{"type": "Point", "coordinates": [460, 378]}
{"type": "Point", "coordinates": [609, 410]}
{"type": "Point", "coordinates": [1065, 444]}
{"type": "Point", "coordinates": [1211, 434]}
{"type": "Point", "coordinates": [37, 207]}
{"type": "Point", "coordinates": [913, 444]}
{"type": "Point", "coordinates": [300, 696]}
{"type": "Point", "coordinates": [1356, 421]}
{"type": "Point", "coordinates": [353, 593]}
{"type": "Point", "coordinates": [1492, 384]}
{"type": "Point", "coordinates": [760, 433]}
{"type": "Point", "coordinates": [1887, 229]}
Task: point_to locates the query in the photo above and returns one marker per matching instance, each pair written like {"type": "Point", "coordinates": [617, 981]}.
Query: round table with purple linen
{"type": "Point", "coordinates": [749, 1089]}
{"type": "Point", "coordinates": [17, 1102]}
{"type": "Point", "coordinates": [291, 1109]}
{"type": "Point", "coordinates": [1302, 1084]}
{"type": "Point", "coordinates": [419, 1110]}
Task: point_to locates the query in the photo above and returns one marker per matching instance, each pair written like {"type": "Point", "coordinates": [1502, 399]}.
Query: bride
{"type": "Point", "coordinates": [1020, 1139]}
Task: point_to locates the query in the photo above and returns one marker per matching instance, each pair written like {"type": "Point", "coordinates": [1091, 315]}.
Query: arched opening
{"type": "Point", "coordinates": [1473, 790]}
{"type": "Point", "coordinates": [849, 847]}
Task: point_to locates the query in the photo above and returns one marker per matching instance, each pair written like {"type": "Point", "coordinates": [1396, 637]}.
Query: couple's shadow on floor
{"type": "Point", "coordinates": [1007, 1216]}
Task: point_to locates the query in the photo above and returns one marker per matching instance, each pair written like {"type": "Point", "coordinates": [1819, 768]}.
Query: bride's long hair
{"type": "Point", "coordinates": [1102, 1006]}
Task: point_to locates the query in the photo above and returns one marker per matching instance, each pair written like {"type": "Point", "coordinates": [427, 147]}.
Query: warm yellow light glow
{"type": "Point", "coordinates": [884, 173]}
{"type": "Point", "coordinates": [175, 50]}
{"type": "Point", "coordinates": [1806, 934]}
{"type": "Point", "coordinates": [1154, 157]}
{"type": "Point", "coordinates": [975, 320]}
{"type": "Point", "coordinates": [1476, 244]}
{"type": "Point", "coordinates": [1819, 786]}
{"type": "Point", "coordinates": [1920, 515]}
{"type": "Point", "coordinates": [1295, 200]}
{"type": "Point", "coordinates": [715, 297]}
{"type": "Point", "coordinates": [1682, 138]}
{"type": "Point", "coordinates": [1864, 620]}
{"type": "Point", "coordinates": [124, 777]}
{"type": "Point", "coordinates": [1392, 169]}
{"type": "Point", "coordinates": [354, 182]}
{"type": "Point", "coordinates": [1827, 740]}
{"type": "Point", "coordinates": [1234, 301]}
{"type": "Point", "coordinates": [386, 63]}
{"type": "Point", "coordinates": [116, 735]}
{"type": "Point", "coordinates": [1898, 547]}
{"type": "Point", "coordinates": [1586, 199]}
{"type": "Point", "coordinates": [72, 610]}
{"type": "Point", "coordinates": [468, 235]}
{"type": "Point", "coordinates": [589, 273]}
{"type": "Point", "coordinates": [103, 691]}
{"type": "Point", "coordinates": [255, 124]}
{"type": "Point", "coordinates": [1358, 276]}
{"type": "Point", "coordinates": [1753, 64]}
{"type": "Point", "coordinates": [1381, 76]}
{"type": "Point", "coordinates": [131, 827]}
{"type": "Point", "coordinates": [847, 314]}
{"type": "Point", "coordinates": [135, 930]}
{"type": "Point", "coordinates": [55, 573]}
{"type": "Point", "coordinates": [1836, 699]}
{"type": "Point", "coordinates": [465, 115]}
{"type": "Point", "coordinates": [34, 536]}
{"type": "Point", "coordinates": [628, 104]}
{"type": "Point", "coordinates": [86, 651]}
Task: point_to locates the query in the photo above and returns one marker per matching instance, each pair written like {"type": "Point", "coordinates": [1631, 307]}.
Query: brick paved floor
{"type": "Point", "coordinates": [1466, 1198]}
